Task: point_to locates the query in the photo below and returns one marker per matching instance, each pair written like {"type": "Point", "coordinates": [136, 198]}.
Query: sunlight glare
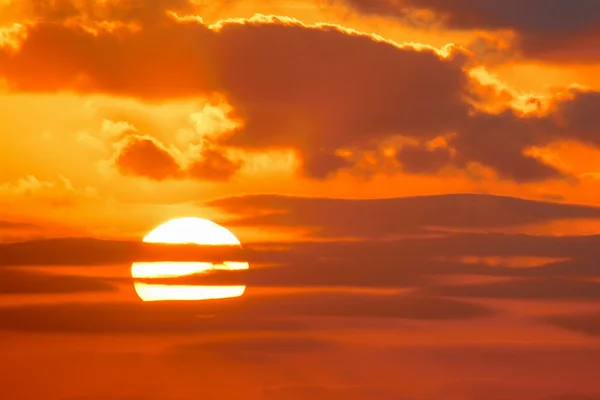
{"type": "Point", "coordinates": [186, 231]}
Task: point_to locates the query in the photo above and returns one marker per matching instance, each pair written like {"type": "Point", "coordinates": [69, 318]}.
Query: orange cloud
{"type": "Point", "coordinates": [60, 192]}
{"type": "Point", "coordinates": [213, 166]}
{"type": "Point", "coordinates": [147, 157]}
{"type": "Point", "coordinates": [23, 281]}
{"type": "Point", "coordinates": [315, 89]}
{"type": "Point", "coordinates": [392, 217]}
{"type": "Point", "coordinates": [261, 313]}
{"type": "Point", "coordinates": [423, 160]}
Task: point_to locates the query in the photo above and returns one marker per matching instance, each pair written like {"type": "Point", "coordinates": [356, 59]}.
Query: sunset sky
{"type": "Point", "coordinates": [415, 183]}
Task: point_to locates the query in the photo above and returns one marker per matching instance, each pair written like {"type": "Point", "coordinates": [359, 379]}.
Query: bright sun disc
{"type": "Point", "coordinates": [186, 231]}
{"type": "Point", "coordinates": [193, 231]}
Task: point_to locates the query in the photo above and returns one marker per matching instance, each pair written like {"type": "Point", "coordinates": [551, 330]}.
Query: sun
{"type": "Point", "coordinates": [193, 231]}
{"type": "Point", "coordinates": [186, 231]}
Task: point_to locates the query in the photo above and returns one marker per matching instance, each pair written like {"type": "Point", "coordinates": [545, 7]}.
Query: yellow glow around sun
{"type": "Point", "coordinates": [186, 231]}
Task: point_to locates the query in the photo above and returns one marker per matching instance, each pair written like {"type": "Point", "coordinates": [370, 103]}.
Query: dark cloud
{"type": "Point", "coordinates": [120, 398]}
{"type": "Point", "coordinates": [290, 96]}
{"type": "Point", "coordinates": [247, 313]}
{"type": "Point", "coordinates": [359, 115]}
{"type": "Point", "coordinates": [301, 392]}
{"type": "Point", "coordinates": [312, 272]}
{"type": "Point", "coordinates": [22, 281]}
{"type": "Point", "coordinates": [544, 16]}
{"type": "Point", "coordinates": [144, 156]}
{"type": "Point", "coordinates": [486, 389]}
{"type": "Point", "coordinates": [529, 288]}
{"type": "Point", "coordinates": [396, 271]}
{"type": "Point", "coordinates": [376, 218]}
{"type": "Point", "coordinates": [322, 164]}
{"type": "Point", "coordinates": [503, 390]}
{"type": "Point", "coordinates": [457, 390]}
{"type": "Point", "coordinates": [254, 349]}
{"type": "Point", "coordinates": [584, 264]}
{"type": "Point", "coordinates": [147, 157]}
{"type": "Point", "coordinates": [365, 305]}
{"type": "Point", "coordinates": [506, 137]}
{"type": "Point", "coordinates": [263, 344]}
{"type": "Point", "coordinates": [559, 30]}
{"type": "Point", "coordinates": [576, 116]}
{"type": "Point", "coordinates": [213, 166]}
{"type": "Point", "coordinates": [124, 398]}
{"type": "Point", "coordinates": [588, 323]}
{"type": "Point", "coordinates": [138, 317]}
{"type": "Point", "coordinates": [423, 160]}
{"type": "Point", "coordinates": [90, 251]}
{"type": "Point", "coordinates": [404, 263]}
{"type": "Point", "coordinates": [17, 225]}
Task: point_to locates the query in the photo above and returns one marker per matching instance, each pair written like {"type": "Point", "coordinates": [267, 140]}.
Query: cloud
{"type": "Point", "coordinates": [301, 392]}
{"type": "Point", "coordinates": [138, 317]}
{"type": "Point", "coordinates": [586, 323]}
{"type": "Point", "coordinates": [574, 112]}
{"type": "Point", "coordinates": [57, 193]}
{"type": "Point", "coordinates": [15, 230]}
{"type": "Point", "coordinates": [16, 225]}
{"type": "Point", "coordinates": [247, 313]}
{"type": "Point", "coordinates": [213, 166]}
{"type": "Point", "coordinates": [403, 263]}
{"type": "Point", "coordinates": [374, 306]}
{"type": "Point", "coordinates": [530, 288]}
{"type": "Point", "coordinates": [573, 397]}
{"type": "Point", "coordinates": [502, 148]}
{"type": "Point", "coordinates": [471, 389]}
{"type": "Point", "coordinates": [147, 157]}
{"type": "Point", "coordinates": [90, 251]}
{"type": "Point", "coordinates": [82, 11]}
{"type": "Point", "coordinates": [254, 350]}
{"type": "Point", "coordinates": [377, 218]}
{"type": "Point", "coordinates": [274, 98]}
{"type": "Point", "coordinates": [424, 160]}
{"type": "Point", "coordinates": [22, 281]}
{"type": "Point", "coordinates": [375, 263]}
{"type": "Point", "coordinates": [488, 389]}
{"type": "Point", "coordinates": [313, 272]}
{"type": "Point", "coordinates": [123, 398]}
{"type": "Point", "coordinates": [389, 269]}
{"type": "Point", "coordinates": [552, 30]}
{"type": "Point", "coordinates": [263, 344]}
{"type": "Point", "coordinates": [12, 231]}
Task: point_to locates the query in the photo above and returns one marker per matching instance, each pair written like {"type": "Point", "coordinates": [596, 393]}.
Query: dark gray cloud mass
{"type": "Point", "coordinates": [558, 30]}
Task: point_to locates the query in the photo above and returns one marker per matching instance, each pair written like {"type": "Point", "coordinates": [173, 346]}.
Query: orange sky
{"type": "Point", "coordinates": [423, 175]}
{"type": "Point", "coordinates": [72, 132]}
